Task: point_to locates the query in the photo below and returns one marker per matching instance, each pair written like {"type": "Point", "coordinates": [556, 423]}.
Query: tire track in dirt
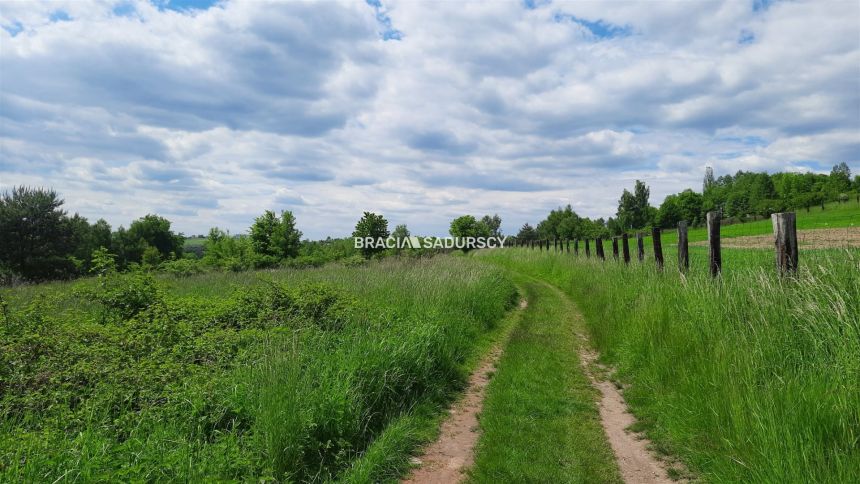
{"type": "Point", "coordinates": [446, 460]}
{"type": "Point", "coordinates": [638, 465]}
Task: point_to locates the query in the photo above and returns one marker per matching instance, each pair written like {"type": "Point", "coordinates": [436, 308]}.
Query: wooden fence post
{"type": "Point", "coordinates": [588, 248]}
{"type": "Point", "coordinates": [575, 246]}
{"type": "Point", "coordinates": [658, 247]}
{"type": "Point", "coordinates": [683, 249]}
{"type": "Point", "coordinates": [640, 246]}
{"type": "Point", "coordinates": [785, 239]}
{"type": "Point", "coordinates": [568, 246]}
{"type": "Point", "coordinates": [598, 247]}
{"type": "Point", "coordinates": [715, 261]}
{"type": "Point", "coordinates": [615, 247]}
{"type": "Point", "coordinates": [625, 248]}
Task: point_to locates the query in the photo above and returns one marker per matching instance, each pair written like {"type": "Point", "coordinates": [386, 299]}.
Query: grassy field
{"type": "Point", "coordinates": [749, 378]}
{"type": "Point", "coordinates": [313, 375]}
{"type": "Point", "coordinates": [835, 215]}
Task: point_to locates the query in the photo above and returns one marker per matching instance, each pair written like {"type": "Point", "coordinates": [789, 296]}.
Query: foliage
{"type": "Point", "coordinates": [634, 212]}
{"type": "Point", "coordinates": [468, 226]}
{"type": "Point", "coordinates": [527, 233]}
{"type": "Point", "coordinates": [287, 376]}
{"type": "Point", "coordinates": [564, 223]}
{"type": "Point", "coordinates": [35, 234]}
{"type": "Point", "coordinates": [400, 232]}
{"type": "Point", "coordinates": [275, 238]}
{"type": "Point", "coordinates": [493, 223]}
{"type": "Point", "coordinates": [373, 226]}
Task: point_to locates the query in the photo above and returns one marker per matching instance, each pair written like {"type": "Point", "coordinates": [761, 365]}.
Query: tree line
{"type": "Point", "coordinates": [40, 241]}
{"type": "Point", "coordinates": [738, 197]}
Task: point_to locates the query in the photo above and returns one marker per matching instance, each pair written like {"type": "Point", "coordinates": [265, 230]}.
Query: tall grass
{"type": "Point", "coordinates": [284, 375]}
{"type": "Point", "coordinates": [748, 378]}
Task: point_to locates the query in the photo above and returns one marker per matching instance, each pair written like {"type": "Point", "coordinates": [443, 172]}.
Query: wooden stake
{"type": "Point", "coordinates": [598, 247]}
{"type": "Point", "coordinates": [785, 240]}
{"type": "Point", "coordinates": [640, 246]}
{"type": "Point", "coordinates": [715, 261]}
{"type": "Point", "coordinates": [683, 249]}
{"type": "Point", "coordinates": [625, 248]}
{"type": "Point", "coordinates": [658, 247]}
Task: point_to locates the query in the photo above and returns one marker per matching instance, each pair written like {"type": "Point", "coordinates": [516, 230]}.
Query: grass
{"type": "Point", "coordinates": [325, 374]}
{"type": "Point", "coordinates": [835, 215]}
{"type": "Point", "coordinates": [749, 378]}
{"type": "Point", "coordinates": [540, 422]}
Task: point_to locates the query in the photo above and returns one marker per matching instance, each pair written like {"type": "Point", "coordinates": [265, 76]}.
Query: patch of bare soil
{"type": "Point", "coordinates": [842, 238]}
{"type": "Point", "coordinates": [636, 462]}
{"type": "Point", "coordinates": [446, 460]}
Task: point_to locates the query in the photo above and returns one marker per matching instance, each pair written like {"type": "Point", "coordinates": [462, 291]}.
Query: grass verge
{"type": "Point", "coordinates": [748, 378]}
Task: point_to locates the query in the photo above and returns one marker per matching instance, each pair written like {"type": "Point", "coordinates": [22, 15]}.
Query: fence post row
{"type": "Point", "coordinates": [683, 249]}
{"type": "Point", "coordinates": [625, 248]}
{"type": "Point", "coordinates": [715, 261]}
{"type": "Point", "coordinates": [640, 246]}
{"type": "Point", "coordinates": [785, 240]}
{"type": "Point", "coordinates": [598, 247]}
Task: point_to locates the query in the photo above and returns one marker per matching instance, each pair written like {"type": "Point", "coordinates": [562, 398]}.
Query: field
{"type": "Point", "coordinates": [343, 373]}
{"type": "Point", "coordinates": [834, 216]}
{"type": "Point", "coordinates": [750, 378]}
{"type": "Point", "coordinates": [282, 375]}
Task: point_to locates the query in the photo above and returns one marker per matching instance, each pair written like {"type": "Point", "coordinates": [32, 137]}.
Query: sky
{"type": "Point", "coordinates": [210, 112]}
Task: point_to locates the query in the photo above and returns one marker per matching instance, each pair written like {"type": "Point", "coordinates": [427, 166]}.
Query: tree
{"type": "Point", "coordinates": [633, 209]}
{"type": "Point", "coordinates": [468, 226]}
{"type": "Point", "coordinates": [493, 223]}
{"type": "Point", "coordinates": [709, 181]}
{"type": "Point", "coordinates": [153, 230]}
{"type": "Point", "coordinates": [373, 226]}
{"type": "Point", "coordinates": [400, 232]}
{"type": "Point", "coordinates": [527, 233]}
{"type": "Point", "coordinates": [35, 234]}
{"type": "Point", "coordinates": [276, 237]}
{"type": "Point", "coordinates": [840, 179]}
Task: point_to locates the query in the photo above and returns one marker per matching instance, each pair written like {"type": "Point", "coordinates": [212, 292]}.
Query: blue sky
{"type": "Point", "coordinates": [209, 112]}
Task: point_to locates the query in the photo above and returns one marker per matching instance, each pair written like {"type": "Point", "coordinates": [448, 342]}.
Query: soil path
{"type": "Point", "coordinates": [638, 465]}
{"type": "Point", "coordinates": [446, 460]}
{"type": "Point", "coordinates": [636, 462]}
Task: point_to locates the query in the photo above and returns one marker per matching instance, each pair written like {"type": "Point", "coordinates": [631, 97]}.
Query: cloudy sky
{"type": "Point", "coordinates": [210, 112]}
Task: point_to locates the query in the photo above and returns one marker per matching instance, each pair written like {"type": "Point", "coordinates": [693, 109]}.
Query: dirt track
{"type": "Point", "coordinates": [843, 238]}
{"type": "Point", "coordinates": [446, 459]}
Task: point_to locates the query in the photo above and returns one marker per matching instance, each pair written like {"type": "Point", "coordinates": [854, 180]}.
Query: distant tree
{"type": "Point", "coordinates": [371, 225]}
{"type": "Point", "coordinates": [527, 233]}
{"type": "Point", "coordinates": [152, 230]}
{"type": "Point", "coordinates": [35, 235]}
{"type": "Point", "coordinates": [400, 232]}
{"type": "Point", "coordinates": [633, 209]}
{"type": "Point", "coordinates": [493, 223]}
{"type": "Point", "coordinates": [468, 226]}
{"type": "Point", "coordinates": [709, 180]}
{"type": "Point", "coordinates": [276, 237]}
{"type": "Point", "coordinates": [840, 179]}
